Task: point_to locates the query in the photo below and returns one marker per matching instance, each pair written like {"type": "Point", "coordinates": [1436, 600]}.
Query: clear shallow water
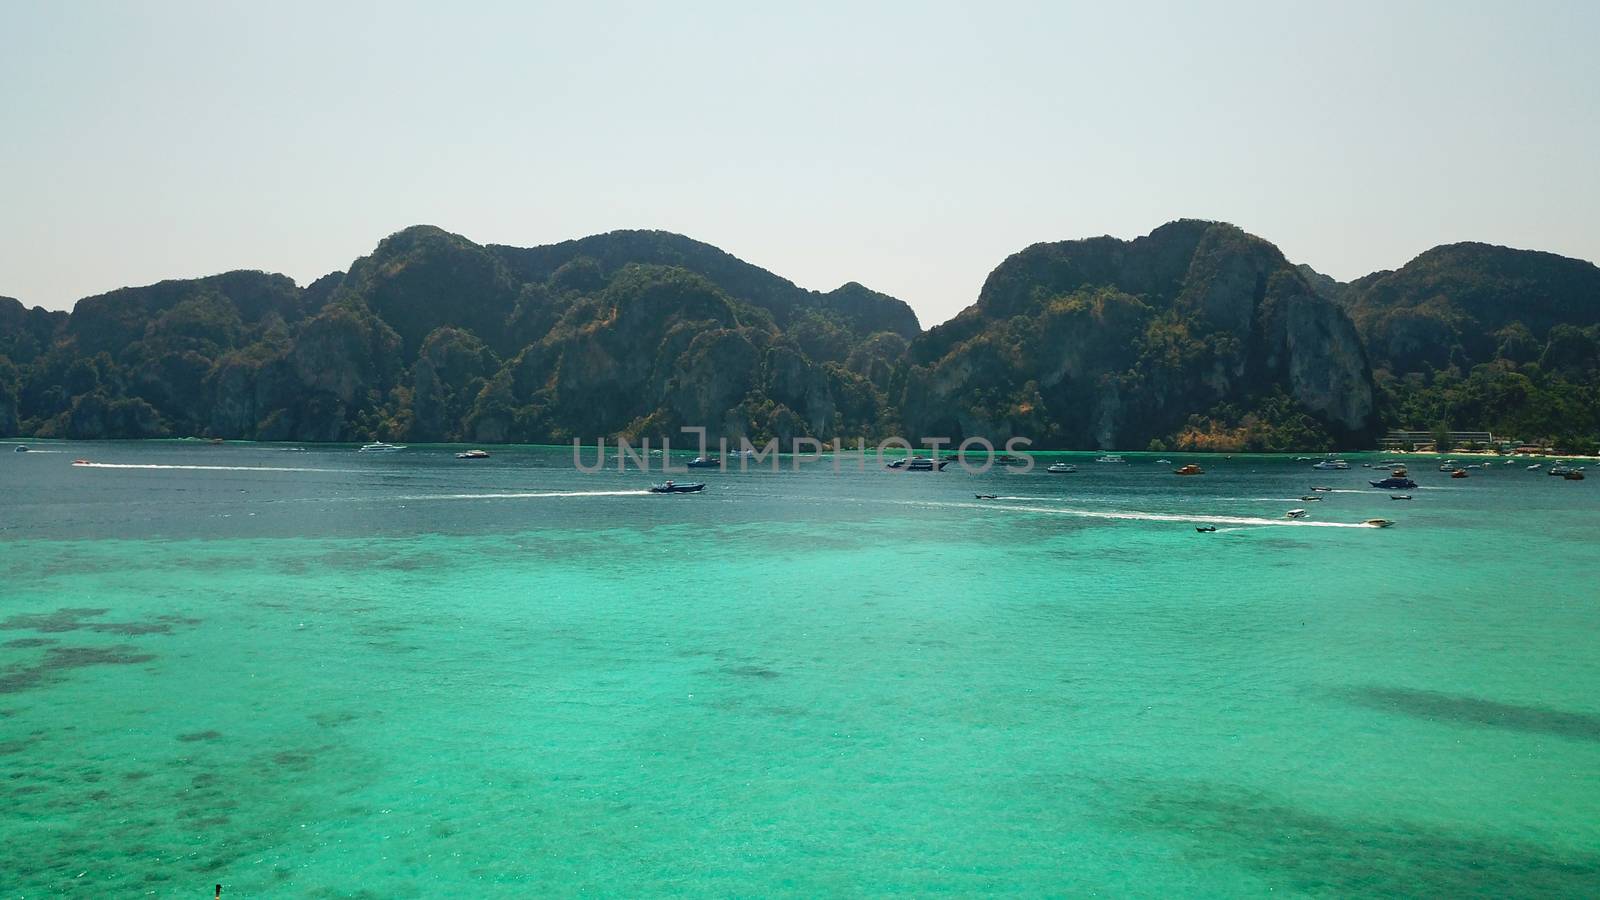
{"type": "Point", "coordinates": [334, 674]}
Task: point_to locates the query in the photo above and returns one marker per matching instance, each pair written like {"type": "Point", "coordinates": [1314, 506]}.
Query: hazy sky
{"type": "Point", "coordinates": [907, 146]}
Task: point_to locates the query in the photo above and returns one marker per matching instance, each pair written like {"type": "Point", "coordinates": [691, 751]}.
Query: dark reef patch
{"type": "Point", "coordinates": [27, 643]}
{"type": "Point", "coordinates": [1311, 853]}
{"type": "Point", "coordinates": [207, 735]}
{"type": "Point", "coordinates": [78, 618]}
{"type": "Point", "coordinates": [59, 660]}
{"type": "Point", "coordinates": [751, 671]}
{"type": "Point", "coordinates": [1435, 706]}
{"type": "Point", "coordinates": [65, 619]}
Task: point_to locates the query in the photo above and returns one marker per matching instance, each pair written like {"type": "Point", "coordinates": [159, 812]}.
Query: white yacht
{"type": "Point", "coordinates": [1109, 457]}
{"type": "Point", "coordinates": [1061, 468]}
{"type": "Point", "coordinates": [381, 447]}
{"type": "Point", "coordinates": [1331, 463]}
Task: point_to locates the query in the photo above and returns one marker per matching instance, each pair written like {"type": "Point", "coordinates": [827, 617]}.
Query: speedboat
{"type": "Point", "coordinates": [705, 462]}
{"type": "Point", "coordinates": [1448, 465]}
{"type": "Point", "coordinates": [1574, 475]}
{"type": "Point", "coordinates": [473, 454]}
{"type": "Point", "coordinates": [1459, 473]}
{"type": "Point", "coordinates": [1205, 529]}
{"type": "Point", "coordinates": [1295, 514]}
{"type": "Point", "coordinates": [1331, 464]}
{"type": "Point", "coordinates": [1399, 496]}
{"type": "Point", "coordinates": [381, 447]}
{"type": "Point", "coordinates": [1109, 458]}
{"type": "Point", "coordinates": [984, 497]}
{"type": "Point", "coordinates": [1311, 498]}
{"type": "Point", "coordinates": [672, 487]}
{"type": "Point", "coordinates": [20, 448]}
{"type": "Point", "coordinates": [1164, 462]}
{"type": "Point", "coordinates": [1061, 468]}
{"type": "Point", "coordinates": [1394, 483]}
{"type": "Point", "coordinates": [1324, 490]}
{"type": "Point", "coordinates": [1535, 467]}
{"type": "Point", "coordinates": [1378, 523]}
{"type": "Point", "coordinates": [1190, 469]}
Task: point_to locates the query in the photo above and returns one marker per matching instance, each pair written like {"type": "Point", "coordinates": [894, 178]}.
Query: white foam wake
{"type": "Point", "coordinates": [521, 495]}
{"type": "Point", "coordinates": [1130, 515]}
{"type": "Point", "coordinates": [95, 465]}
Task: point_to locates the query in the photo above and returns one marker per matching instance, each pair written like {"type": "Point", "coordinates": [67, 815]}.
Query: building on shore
{"type": "Point", "coordinates": [1417, 440]}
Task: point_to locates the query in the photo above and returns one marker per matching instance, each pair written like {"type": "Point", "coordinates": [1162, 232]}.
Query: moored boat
{"type": "Point", "coordinates": [705, 462]}
{"type": "Point", "coordinates": [1459, 473]}
{"type": "Point", "coordinates": [473, 454]}
{"type": "Point", "coordinates": [1189, 469]}
{"type": "Point", "coordinates": [1331, 464]}
{"type": "Point", "coordinates": [1109, 458]}
{"type": "Point", "coordinates": [1574, 475]}
{"type": "Point", "coordinates": [1061, 468]}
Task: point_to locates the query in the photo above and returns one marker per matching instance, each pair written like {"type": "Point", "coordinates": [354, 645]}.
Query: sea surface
{"type": "Point", "coordinates": [323, 673]}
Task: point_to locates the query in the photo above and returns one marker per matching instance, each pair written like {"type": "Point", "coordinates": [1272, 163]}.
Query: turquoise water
{"type": "Point", "coordinates": [334, 674]}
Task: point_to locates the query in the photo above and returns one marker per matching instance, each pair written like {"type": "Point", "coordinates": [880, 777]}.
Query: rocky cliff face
{"type": "Point", "coordinates": [433, 337]}
{"type": "Point", "coordinates": [1194, 329]}
{"type": "Point", "coordinates": [1194, 335]}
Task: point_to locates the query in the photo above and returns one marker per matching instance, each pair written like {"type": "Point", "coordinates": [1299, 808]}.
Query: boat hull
{"type": "Point", "coordinates": [677, 488]}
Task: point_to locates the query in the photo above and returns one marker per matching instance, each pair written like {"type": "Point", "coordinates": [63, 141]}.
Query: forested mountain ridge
{"type": "Point", "coordinates": [1482, 337]}
{"type": "Point", "coordinates": [434, 337]}
{"type": "Point", "coordinates": [1197, 335]}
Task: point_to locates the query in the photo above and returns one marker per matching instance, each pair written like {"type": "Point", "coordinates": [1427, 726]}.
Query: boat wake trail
{"type": "Point", "coordinates": [95, 465]}
{"type": "Point", "coordinates": [520, 495]}
{"type": "Point", "coordinates": [1129, 515]}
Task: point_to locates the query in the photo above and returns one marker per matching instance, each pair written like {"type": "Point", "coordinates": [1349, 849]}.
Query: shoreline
{"type": "Point", "coordinates": [871, 450]}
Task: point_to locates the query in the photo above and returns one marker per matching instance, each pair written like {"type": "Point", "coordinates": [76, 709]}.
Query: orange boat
{"type": "Point", "coordinates": [1190, 469]}
{"type": "Point", "coordinates": [1459, 473]}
